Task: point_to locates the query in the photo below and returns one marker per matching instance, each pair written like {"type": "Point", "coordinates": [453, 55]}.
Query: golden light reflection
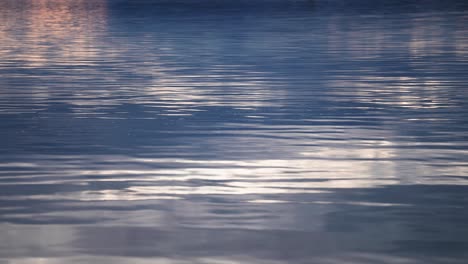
{"type": "Point", "coordinates": [57, 29]}
{"type": "Point", "coordinates": [60, 35]}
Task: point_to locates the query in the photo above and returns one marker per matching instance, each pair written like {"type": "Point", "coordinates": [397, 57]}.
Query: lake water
{"type": "Point", "coordinates": [216, 132]}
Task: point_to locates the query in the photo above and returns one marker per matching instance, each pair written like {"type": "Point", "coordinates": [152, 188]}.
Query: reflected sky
{"type": "Point", "coordinates": [219, 132]}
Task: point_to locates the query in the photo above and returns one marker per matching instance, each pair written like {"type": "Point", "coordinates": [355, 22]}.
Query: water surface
{"type": "Point", "coordinates": [233, 132]}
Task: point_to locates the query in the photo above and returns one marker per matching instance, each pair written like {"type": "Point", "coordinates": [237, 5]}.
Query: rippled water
{"type": "Point", "coordinates": [233, 132]}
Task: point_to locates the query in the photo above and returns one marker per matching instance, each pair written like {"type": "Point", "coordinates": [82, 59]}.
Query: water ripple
{"type": "Point", "coordinates": [233, 132]}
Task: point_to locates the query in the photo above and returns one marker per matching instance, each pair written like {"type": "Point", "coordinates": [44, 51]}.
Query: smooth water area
{"type": "Point", "coordinates": [262, 131]}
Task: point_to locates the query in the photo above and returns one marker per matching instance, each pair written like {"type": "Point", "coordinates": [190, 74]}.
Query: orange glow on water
{"type": "Point", "coordinates": [70, 27]}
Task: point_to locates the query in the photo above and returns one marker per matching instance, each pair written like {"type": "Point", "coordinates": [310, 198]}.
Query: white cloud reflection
{"type": "Point", "coordinates": [310, 169]}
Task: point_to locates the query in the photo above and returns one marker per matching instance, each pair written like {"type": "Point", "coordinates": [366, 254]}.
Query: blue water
{"type": "Point", "coordinates": [262, 131]}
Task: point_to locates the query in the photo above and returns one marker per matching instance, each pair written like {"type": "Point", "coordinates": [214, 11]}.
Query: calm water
{"type": "Point", "coordinates": [209, 132]}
